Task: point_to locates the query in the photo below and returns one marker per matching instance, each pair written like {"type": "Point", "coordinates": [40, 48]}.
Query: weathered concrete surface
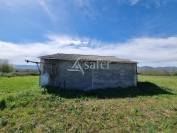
{"type": "Point", "coordinates": [55, 74]}
{"type": "Point", "coordinates": [119, 75]}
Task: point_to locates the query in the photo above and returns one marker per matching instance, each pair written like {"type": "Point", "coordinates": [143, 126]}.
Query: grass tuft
{"type": "Point", "coordinates": [2, 104]}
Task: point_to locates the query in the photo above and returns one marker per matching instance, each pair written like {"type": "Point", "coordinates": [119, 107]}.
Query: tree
{"type": "Point", "coordinates": [5, 67]}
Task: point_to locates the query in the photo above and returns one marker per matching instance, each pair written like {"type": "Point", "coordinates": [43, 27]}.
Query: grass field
{"type": "Point", "coordinates": [151, 107]}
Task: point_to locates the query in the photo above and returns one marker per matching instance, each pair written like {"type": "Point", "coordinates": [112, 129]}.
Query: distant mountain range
{"type": "Point", "coordinates": [148, 68]}
{"type": "Point", "coordinates": [26, 67]}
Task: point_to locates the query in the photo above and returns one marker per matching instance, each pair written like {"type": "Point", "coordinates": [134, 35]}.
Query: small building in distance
{"type": "Point", "coordinates": [86, 72]}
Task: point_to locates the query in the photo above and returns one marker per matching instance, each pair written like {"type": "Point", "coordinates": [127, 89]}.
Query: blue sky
{"type": "Point", "coordinates": [141, 30]}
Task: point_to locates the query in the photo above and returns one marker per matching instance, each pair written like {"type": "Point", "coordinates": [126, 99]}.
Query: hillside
{"type": "Point", "coordinates": [168, 69]}
{"type": "Point", "coordinates": [27, 67]}
{"type": "Point", "coordinates": [147, 70]}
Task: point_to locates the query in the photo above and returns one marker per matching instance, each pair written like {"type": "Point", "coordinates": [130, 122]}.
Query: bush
{"type": "Point", "coordinates": [6, 68]}
{"type": "Point", "coordinates": [175, 73]}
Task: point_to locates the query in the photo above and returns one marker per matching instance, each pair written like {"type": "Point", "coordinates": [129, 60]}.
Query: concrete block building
{"type": "Point", "coordinates": [87, 72]}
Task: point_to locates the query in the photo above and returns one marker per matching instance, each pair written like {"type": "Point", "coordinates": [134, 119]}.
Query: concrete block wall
{"type": "Point", "coordinates": [118, 75]}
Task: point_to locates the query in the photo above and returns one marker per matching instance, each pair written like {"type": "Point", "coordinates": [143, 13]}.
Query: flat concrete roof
{"type": "Point", "coordinates": [71, 57]}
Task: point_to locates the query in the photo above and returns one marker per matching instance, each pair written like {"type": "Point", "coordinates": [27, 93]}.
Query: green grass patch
{"type": "Point", "coordinates": [150, 107]}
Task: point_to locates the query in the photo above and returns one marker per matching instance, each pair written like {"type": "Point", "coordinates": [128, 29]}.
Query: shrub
{"type": "Point", "coordinates": [175, 73]}
{"type": "Point", "coordinates": [5, 67]}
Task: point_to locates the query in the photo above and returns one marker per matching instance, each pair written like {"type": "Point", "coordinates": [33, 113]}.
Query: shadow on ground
{"type": "Point", "coordinates": [142, 89]}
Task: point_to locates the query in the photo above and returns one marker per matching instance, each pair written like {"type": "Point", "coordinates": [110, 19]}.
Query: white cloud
{"type": "Point", "coordinates": [67, 41]}
{"type": "Point", "coordinates": [149, 3]}
{"type": "Point", "coordinates": [13, 4]}
{"type": "Point", "coordinates": [147, 51]}
{"type": "Point", "coordinates": [82, 3]}
{"type": "Point", "coordinates": [134, 2]}
{"type": "Point", "coordinates": [45, 6]}
{"type": "Point", "coordinates": [88, 8]}
{"type": "Point", "coordinates": [21, 5]}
